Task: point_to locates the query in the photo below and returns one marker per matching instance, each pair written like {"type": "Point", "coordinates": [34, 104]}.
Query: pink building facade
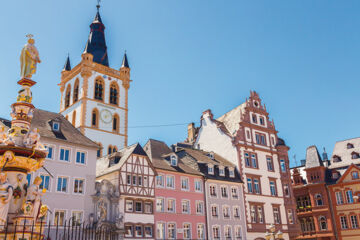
{"type": "Point", "coordinates": [180, 200]}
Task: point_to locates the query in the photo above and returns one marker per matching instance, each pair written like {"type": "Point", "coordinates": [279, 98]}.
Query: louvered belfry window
{"type": "Point", "coordinates": [113, 94]}
{"type": "Point", "coordinates": [99, 90]}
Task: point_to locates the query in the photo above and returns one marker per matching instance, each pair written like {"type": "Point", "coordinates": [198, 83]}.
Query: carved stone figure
{"type": "Point", "coordinates": [29, 58]}
{"type": "Point", "coordinates": [24, 94]}
{"type": "Point", "coordinates": [32, 139]}
{"type": "Point", "coordinates": [6, 192]}
{"type": "Point", "coordinates": [101, 212]}
{"type": "Point", "coordinates": [34, 195]}
{"type": "Point", "coordinates": [3, 135]}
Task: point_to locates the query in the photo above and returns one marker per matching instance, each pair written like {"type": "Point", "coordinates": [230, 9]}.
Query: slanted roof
{"type": "Point", "coordinates": [313, 158]}
{"type": "Point", "coordinates": [159, 154]}
{"type": "Point", "coordinates": [125, 62]}
{"type": "Point", "coordinates": [67, 66]}
{"type": "Point", "coordinates": [341, 150]}
{"type": "Point", "coordinates": [232, 118]}
{"type": "Point", "coordinates": [103, 164]}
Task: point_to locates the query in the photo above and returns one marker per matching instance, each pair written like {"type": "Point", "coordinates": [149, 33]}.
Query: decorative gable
{"type": "Point", "coordinates": [351, 174]}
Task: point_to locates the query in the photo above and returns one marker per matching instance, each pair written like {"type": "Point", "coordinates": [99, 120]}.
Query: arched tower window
{"type": "Point", "coordinates": [114, 149]}
{"type": "Point", "coordinates": [67, 96]}
{"type": "Point", "coordinates": [114, 93]}
{"type": "Point", "coordinates": [99, 89]}
{"type": "Point", "coordinates": [74, 118]}
{"type": "Point", "coordinates": [116, 123]}
{"type": "Point", "coordinates": [95, 118]}
{"type": "Point", "coordinates": [76, 91]}
{"type": "Point", "coordinates": [110, 149]}
{"type": "Point", "coordinates": [99, 151]}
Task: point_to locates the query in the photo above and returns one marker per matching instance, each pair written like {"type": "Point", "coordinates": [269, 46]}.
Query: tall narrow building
{"type": "Point", "coordinates": [94, 96]}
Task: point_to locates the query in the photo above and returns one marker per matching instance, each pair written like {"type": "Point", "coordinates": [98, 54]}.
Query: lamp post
{"type": "Point", "coordinates": [272, 235]}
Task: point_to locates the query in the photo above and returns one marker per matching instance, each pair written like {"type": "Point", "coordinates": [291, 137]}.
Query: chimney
{"type": "Point", "coordinates": [191, 133]}
{"type": "Point", "coordinates": [302, 162]}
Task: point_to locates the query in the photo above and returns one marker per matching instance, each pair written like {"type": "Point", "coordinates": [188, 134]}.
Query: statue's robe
{"type": "Point", "coordinates": [28, 59]}
{"type": "Point", "coordinates": [33, 195]}
{"type": "Point", "coordinates": [6, 191]}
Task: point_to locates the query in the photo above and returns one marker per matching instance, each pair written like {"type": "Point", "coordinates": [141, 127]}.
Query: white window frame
{"type": "Point", "coordinates": [217, 210]}
{"type": "Point", "coordinates": [163, 204]}
{"type": "Point", "coordinates": [202, 207]}
{"type": "Point", "coordinates": [212, 231]}
{"type": "Point", "coordinates": [237, 192]}
{"type": "Point", "coordinates": [188, 206]}
{"type": "Point", "coordinates": [222, 171]}
{"type": "Point", "coordinates": [65, 148]}
{"type": "Point", "coordinates": [188, 184]}
{"type": "Point", "coordinates": [225, 206]}
{"type": "Point", "coordinates": [164, 230]}
{"type": "Point", "coordinates": [53, 147]}
{"type": "Point", "coordinates": [77, 211]}
{"type": "Point", "coordinates": [85, 157]}
{"type": "Point", "coordinates": [67, 184]}
{"type": "Point", "coordinates": [46, 175]}
{"type": "Point", "coordinates": [173, 177]}
{"type": "Point", "coordinates": [167, 230]}
{"type": "Point", "coordinates": [162, 181]}
{"type": "Point", "coordinates": [84, 185]}
{"type": "Point", "coordinates": [65, 214]}
{"type": "Point", "coordinates": [226, 189]}
{"type": "Point", "coordinates": [203, 231]}
{"type": "Point", "coordinates": [167, 205]}
{"type": "Point", "coordinates": [200, 182]}
{"type": "Point", "coordinates": [189, 237]}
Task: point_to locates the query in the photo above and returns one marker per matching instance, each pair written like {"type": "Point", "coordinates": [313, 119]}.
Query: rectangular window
{"type": "Point", "coordinates": [129, 231]}
{"type": "Point", "coordinates": [77, 217]}
{"type": "Point", "coordinates": [231, 173]}
{"type": "Point", "coordinates": [221, 171]}
{"type": "Point", "coordinates": [187, 231]}
{"type": "Point", "coordinates": [257, 186]}
{"type": "Point", "coordinates": [227, 230]}
{"type": "Point", "coordinates": [59, 217]}
{"type": "Point", "coordinates": [214, 211]}
{"type": "Point", "coordinates": [339, 198]}
{"type": "Point", "coordinates": [224, 193]}
{"type": "Point", "coordinates": [160, 230]}
{"type": "Point", "coordinates": [213, 190]}
{"type": "Point", "coordinates": [134, 180]}
{"type": "Point", "coordinates": [260, 214]}
{"type": "Point", "coordinates": [200, 231]}
{"type": "Point", "coordinates": [138, 231]}
{"type": "Point", "coordinates": [64, 154]}
{"type": "Point", "coordinates": [185, 206]}
{"type": "Point", "coordinates": [50, 151]}
{"type": "Point", "coordinates": [291, 216]}
{"type": "Point", "coordinates": [247, 159]}
{"type": "Point", "coordinates": [199, 207]}
{"type": "Point", "coordinates": [349, 196]}
{"type": "Point", "coordinates": [355, 175]}
{"type": "Point", "coordinates": [269, 163]}
{"type": "Point", "coordinates": [128, 179]}
{"type": "Point", "coordinates": [138, 206]}
{"type": "Point", "coordinates": [160, 205]}
{"type": "Point", "coordinates": [171, 231]}
{"type": "Point", "coordinates": [236, 211]}
{"type": "Point", "coordinates": [216, 232]}
{"type": "Point", "coordinates": [238, 233]}
{"type": "Point", "coordinates": [171, 205]}
{"type": "Point", "coordinates": [129, 205]}
{"type": "Point", "coordinates": [170, 181]}
{"type": "Point", "coordinates": [184, 183]}
{"type": "Point", "coordinates": [276, 215]}
{"type": "Point", "coordinates": [62, 184]}
{"type": "Point", "coordinates": [254, 160]}
{"type": "Point", "coordinates": [146, 181]}
{"type": "Point", "coordinates": [343, 222]}
{"type": "Point", "coordinates": [249, 185]}
{"type": "Point", "coordinates": [354, 222]}
{"type": "Point", "coordinates": [210, 169]}
{"type": "Point", "coordinates": [273, 188]}
{"type": "Point", "coordinates": [286, 190]}
{"type": "Point", "coordinates": [148, 231]}
{"type": "Point", "coordinates": [79, 186]}
{"type": "Point", "coordinates": [260, 138]}
{"type": "Point", "coordinates": [160, 181]}
{"type": "Point", "coordinates": [148, 207]}
{"type": "Point", "coordinates": [80, 157]}
{"type": "Point", "coordinates": [45, 182]}
{"type": "Point", "coordinates": [198, 186]}
{"type": "Point", "coordinates": [234, 193]}
{"type": "Point", "coordinates": [226, 212]}
{"type": "Point", "coordinates": [139, 180]}
{"type": "Point", "coordinates": [282, 165]}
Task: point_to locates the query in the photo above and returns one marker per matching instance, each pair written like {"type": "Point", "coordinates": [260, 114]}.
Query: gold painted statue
{"type": "Point", "coordinates": [29, 58]}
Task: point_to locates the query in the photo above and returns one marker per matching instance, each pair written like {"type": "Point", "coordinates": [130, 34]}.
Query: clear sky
{"type": "Point", "coordinates": [187, 56]}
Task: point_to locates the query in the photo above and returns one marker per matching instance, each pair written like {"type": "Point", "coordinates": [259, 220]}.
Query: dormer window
{"type": "Point", "coordinates": [336, 158]}
{"type": "Point", "coordinates": [355, 155]}
{"type": "Point", "coordinates": [231, 172]}
{"type": "Point", "coordinates": [349, 146]}
{"type": "Point", "coordinates": [56, 126]}
{"type": "Point", "coordinates": [335, 175]}
{"type": "Point", "coordinates": [173, 160]}
{"type": "Point", "coordinates": [211, 155]}
{"type": "Point", "coordinates": [211, 169]}
{"type": "Point", "coordinates": [221, 171]}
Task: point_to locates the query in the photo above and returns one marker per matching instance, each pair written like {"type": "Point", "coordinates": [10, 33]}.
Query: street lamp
{"type": "Point", "coordinates": [272, 235]}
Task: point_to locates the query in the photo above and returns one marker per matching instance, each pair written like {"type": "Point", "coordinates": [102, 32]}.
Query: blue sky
{"type": "Point", "coordinates": [187, 56]}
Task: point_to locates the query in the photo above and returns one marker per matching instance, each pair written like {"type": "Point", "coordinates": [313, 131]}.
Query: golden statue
{"type": "Point", "coordinates": [29, 58]}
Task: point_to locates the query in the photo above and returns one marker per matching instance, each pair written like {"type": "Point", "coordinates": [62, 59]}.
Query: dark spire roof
{"type": "Point", "coordinates": [67, 66]}
{"type": "Point", "coordinates": [313, 158]}
{"type": "Point", "coordinates": [96, 44]}
{"type": "Point", "coordinates": [125, 62]}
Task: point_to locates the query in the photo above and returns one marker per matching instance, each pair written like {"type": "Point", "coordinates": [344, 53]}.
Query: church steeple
{"type": "Point", "coordinates": [96, 44]}
{"type": "Point", "coordinates": [67, 66]}
{"type": "Point", "coordinates": [125, 62]}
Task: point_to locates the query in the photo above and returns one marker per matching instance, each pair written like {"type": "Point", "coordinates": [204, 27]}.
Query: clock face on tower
{"type": "Point", "coordinates": [105, 116]}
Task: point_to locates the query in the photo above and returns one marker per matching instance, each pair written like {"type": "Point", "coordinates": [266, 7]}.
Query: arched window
{"type": "Point", "coordinates": [73, 118]}
{"type": "Point", "coordinates": [95, 118]}
{"type": "Point", "coordinates": [110, 149]}
{"type": "Point", "coordinates": [114, 93]}
{"type": "Point", "coordinates": [323, 223]}
{"type": "Point", "coordinates": [99, 89]}
{"type": "Point", "coordinates": [67, 96]}
{"type": "Point", "coordinates": [114, 149]}
{"type": "Point", "coordinates": [116, 123]}
{"type": "Point", "coordinates": [76, 91]}
{"type": "Point", "coordinates": [349, 145]}
{"type": "Point", "coordinates": [99, 151]}
{"type": "Point", "coordinates": [318, 199]}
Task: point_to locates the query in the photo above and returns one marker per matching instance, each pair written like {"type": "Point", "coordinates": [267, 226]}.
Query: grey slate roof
{"type": "Point", "coordinates": [43, 120]}
{"type": "Point", "coordinates": [114, 161]}
{"type": "Point", "coordinates": [313, 158]}
{"type": "Point", "coordinates": [125, 62]}
{"type": "Point", "coordinates": [67, 66]}
{"type": "Point", "coordinates": [159, 154]}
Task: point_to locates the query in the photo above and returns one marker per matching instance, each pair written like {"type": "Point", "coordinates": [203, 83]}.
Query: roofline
{"type": "Point", "coordinates": [347, 139]}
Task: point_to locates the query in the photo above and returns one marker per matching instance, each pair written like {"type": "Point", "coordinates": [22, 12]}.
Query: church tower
{"type": "Point", "coordinates": [94, 96]}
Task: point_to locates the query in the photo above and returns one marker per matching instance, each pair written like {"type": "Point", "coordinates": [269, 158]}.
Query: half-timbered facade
{"type": "Point", "coordinates": [132, 172]}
